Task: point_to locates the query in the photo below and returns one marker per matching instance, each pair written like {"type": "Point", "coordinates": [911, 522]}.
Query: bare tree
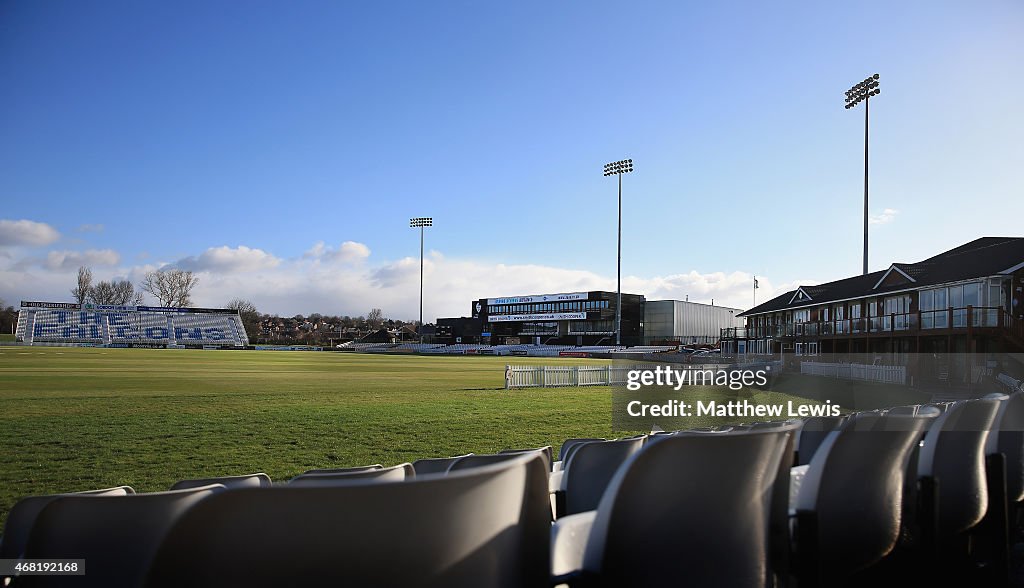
{"type": "Point", "coordinates": [171, 287]}
{"type": "Point", "coordinates": [242, 306]}
{"type": "Point", "coordinates": [375, 319]}
{"type": "Point", "coordinates": [249, 315]}
{"type": "Point", "coordinates": [81, 292]}
{"type": "Point", "coordinates": [117, 292]}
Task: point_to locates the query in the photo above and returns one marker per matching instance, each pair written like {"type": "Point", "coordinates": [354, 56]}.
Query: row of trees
{"type": "Point", "coordinates": [313, 329]}
{"type": "Point", "coordinates": [170, 288]}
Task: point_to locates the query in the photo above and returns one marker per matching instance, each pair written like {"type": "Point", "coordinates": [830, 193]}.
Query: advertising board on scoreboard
{"type": "Point", "coordinates": [542, 316]}
{"type": "Point", "coordinates": [540, 298]}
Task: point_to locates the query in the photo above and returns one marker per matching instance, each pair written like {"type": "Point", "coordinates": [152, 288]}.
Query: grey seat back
{"type": "Point", "coordinates": [591, 468]}
{"type": "Point", "coordinates": [576, 447]}
{"type": "Point", "coordinates": [396, 473]}
{"type": "Point", "coordinates": [690, 509]}
{"type": "Point", "coordinates": [812, 433]}
{"type": "Point", "coordinates": [545, 451]}
{"type": "Point", "coordinates": [910, 410]}
{"type": "Point", "coordinates": [434, 465]}
{"type": "Point", "coordinates": [116, 535]}
{"type": "Point", "coordinates": [1007, 437]}
{"type": "Point", "coordinates": [855, 487]}
{"type": "Point", "coordinates": [23, 515]}
{"type": "Point", "coordinates": [258, 480]}
{"type": "Point", "coordinates": [477, 460]}
{"type": "Point", "coordinates": [488, 526]}
{"type": "Point", "coordinates": [563, 451]}
{"type": "Point", "coordinates": [365, 468]}
{"type": "Point", "coordinates": [953, 454]}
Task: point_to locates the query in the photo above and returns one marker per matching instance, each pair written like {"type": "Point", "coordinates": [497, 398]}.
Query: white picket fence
{"type": "Point", "coordinates": [886, 374]}
{"type": "Point", "coordinates": [530, 376]}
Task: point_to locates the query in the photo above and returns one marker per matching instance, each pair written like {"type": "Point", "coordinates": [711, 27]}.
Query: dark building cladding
{"type": "Point", "coordinates": [570, 318]}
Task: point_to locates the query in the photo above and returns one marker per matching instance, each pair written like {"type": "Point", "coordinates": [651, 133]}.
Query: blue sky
{"type": "Point", "coordinates": [279, 149]}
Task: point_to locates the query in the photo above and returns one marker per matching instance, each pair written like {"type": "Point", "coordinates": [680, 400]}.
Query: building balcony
{"type": "Point", "coordinates": [920, 323]}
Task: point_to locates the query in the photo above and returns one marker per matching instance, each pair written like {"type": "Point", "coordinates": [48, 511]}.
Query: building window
{"type": "Point", "coordinates": [896, 309]}
{"type": "Point", "coordinates": [934, 308]}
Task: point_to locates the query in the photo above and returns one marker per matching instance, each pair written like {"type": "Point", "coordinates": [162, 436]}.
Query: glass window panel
{"type": "Point", "coordinates": [927, 300]}
{"type": "Point", "coordinates": [972, 294]}
{"type": "Point", "coordinates": [956, 296]}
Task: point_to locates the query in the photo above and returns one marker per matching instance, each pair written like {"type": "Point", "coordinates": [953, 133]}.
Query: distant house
{"type": "Point", "coordinates": [966, 300]}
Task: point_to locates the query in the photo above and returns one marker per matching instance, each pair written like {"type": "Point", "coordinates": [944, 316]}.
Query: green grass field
{"type": "Point", "coordinates": [77, 419]}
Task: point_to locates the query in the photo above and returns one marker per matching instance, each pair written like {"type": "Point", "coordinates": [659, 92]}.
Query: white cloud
{"type": "Point", "coordinates": [91, 228]}
{"type": "Point", "coordinates": [349, 251]}
{"type": "Point", "coordinates": [450, 285]}
{"type": "Point", "coordinates": [227, 260]}
{"type": "Point", "coordinates": [68, 260]}
{"type": "Point", "coordinates": [887, 216]}
{"type": "Point", "coordinates": [402, 272]}
{"type": "Point", "coordinates": [26, 232]}
{"type": "Point", "coordinates": [294, 286]}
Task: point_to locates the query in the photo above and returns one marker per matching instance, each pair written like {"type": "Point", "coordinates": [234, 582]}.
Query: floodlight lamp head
{"type": "Point", "coordinates": [618, 167]}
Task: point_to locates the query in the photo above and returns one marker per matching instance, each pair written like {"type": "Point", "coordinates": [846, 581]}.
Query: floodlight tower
{"type": "Point", "coordinates": [617, 168]}
{"type": "Point", "coordinates": [421, 222]}
{"type": "Point", "coordinates": [861, 93]}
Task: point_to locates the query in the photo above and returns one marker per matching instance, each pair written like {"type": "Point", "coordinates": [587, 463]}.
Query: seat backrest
{"type": "Point", "coordinates": [563, 452]}
{"type": "Point", "coordinates": [434, 465]}
{"type": "Point", "coordinates": [367, 468]}
{"type": "Point", "coordinates": [24, 513]}
{"type": "Point", "coordinates": [690, 509]}
{"type": "Point", "coordinates": [488, 526]}
{"type": "Point", "coordinates": [590, 469]}
{"type": "Point", "coordinates": [910, 410]}
{"type": "Point", "coordinates": [545, 451]}
{"type": "Point", "coordinates": [811, 434]}
{"type": "Point", "coordinates": [572, 451]}
{"type": "Point", "coordinates": [116, 535]}
{"type": "Point", "coordinates": [953, 454]}
{"type": "Point", "coordinates": [942, 406]}
{"type": "Point", "coordinates": [476, 460]}
{"type": "Point", "coordinates": [258, 480]}
{"type": "Point", "coordinates": [1007, 437]}
{"type": "Point", "coordinates": [855, 486]}
{"type": "Point", "coordinates": [396, 473]}
{"type": "Point", "coordinates": [769, 424]}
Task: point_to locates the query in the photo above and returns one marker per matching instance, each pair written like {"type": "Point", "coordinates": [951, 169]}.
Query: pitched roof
{"type": "Point", "coordinates": [987, 256]}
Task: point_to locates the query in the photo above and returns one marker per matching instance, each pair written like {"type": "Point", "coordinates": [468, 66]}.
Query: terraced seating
{"type": "Point", "coordinates": [126, 326]}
